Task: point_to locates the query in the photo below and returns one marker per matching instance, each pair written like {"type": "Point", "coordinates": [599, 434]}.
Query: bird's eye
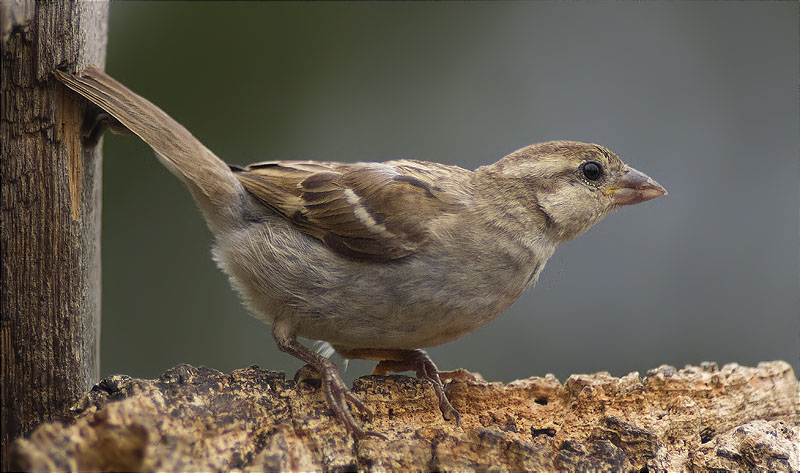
{"type": "Point", "coordinates": [592, 170]}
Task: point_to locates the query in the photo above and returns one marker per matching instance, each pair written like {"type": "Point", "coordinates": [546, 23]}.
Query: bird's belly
{"type": "Point", "coordinates": [418, 301]}
{"type": "Point", "coordinates": [405, 322]}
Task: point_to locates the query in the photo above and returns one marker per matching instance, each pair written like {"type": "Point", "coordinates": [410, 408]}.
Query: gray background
{"type": "Point", "coordinates": [703, 97]}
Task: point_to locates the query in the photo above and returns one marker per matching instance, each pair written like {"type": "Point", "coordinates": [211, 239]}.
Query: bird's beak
{"type": "Point", "coordinates": [634, 187]}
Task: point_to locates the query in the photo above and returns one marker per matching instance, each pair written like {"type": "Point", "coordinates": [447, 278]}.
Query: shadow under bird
{"type": "Point", "coordinates": [379, 259]}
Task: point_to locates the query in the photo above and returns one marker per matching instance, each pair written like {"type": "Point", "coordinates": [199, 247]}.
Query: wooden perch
{"type": "Point", "coordinates": [698, 418]}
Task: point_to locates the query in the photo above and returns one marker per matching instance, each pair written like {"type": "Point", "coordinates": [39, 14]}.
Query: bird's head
{"type": "Point", "coordinates": [572, 185]}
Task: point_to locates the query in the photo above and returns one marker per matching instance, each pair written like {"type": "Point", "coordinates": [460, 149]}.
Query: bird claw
{"type": "Point", "coordinates": [338, 396]}
{"type": "Point", "coordinates": [339, 390]}
{"type": "Point", "coordinates": [420, 362]}
{"type": "Point", "coordinates": [448, 411]}
{"type": "Point", "coordinates": [336, 393]}
{"type": "Point", "coordinates": [366, 411]}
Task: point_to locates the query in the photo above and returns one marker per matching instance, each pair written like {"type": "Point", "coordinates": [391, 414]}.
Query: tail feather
{"type": "Point", "coordinates": [211, 181]}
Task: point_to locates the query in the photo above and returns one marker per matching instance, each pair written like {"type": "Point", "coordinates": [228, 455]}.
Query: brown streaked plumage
{"type": "Point", "coordinates": [367, 211]}
{"type": "Point", "coordinates": [381, 259]}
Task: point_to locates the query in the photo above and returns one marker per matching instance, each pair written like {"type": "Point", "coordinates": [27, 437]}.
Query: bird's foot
{"type": "Point", "coordinates": [338, 395]}
{"type": "Point", "coordinates": [336, 392]}
{"type": "Point", "coordinates": [396, 360]}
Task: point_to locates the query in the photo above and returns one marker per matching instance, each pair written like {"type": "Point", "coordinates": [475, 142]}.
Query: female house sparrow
{"type": "Point", "coordinates": [380, 259]}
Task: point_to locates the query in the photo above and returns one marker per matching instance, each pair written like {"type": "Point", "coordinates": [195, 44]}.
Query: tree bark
{"type": "Point", "coordinates": [50, 213]}
{"type": "Point", "coordinates": [700, 418]}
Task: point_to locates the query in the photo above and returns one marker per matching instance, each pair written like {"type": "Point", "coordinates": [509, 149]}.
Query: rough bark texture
{"type": "Point", "coordinates": [50, 213]}
{"type": "Point", "coordinates": [698, 418]}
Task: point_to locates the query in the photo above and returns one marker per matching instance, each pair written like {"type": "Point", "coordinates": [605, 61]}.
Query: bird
{"type": "Point", "coordinates": [379, 260]}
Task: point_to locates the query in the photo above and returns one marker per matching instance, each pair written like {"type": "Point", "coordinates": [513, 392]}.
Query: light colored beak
{"type": "Point", "coordinates": [634, 187]}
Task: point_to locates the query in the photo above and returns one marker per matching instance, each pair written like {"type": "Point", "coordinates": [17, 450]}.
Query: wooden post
{"type": "Point", "coordinates": [50, 213]}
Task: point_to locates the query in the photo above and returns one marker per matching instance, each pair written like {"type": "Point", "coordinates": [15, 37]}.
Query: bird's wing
{"type": "Point", "coordinates": [365, 211]}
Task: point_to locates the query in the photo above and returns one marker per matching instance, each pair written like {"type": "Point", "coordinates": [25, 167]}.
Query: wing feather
{"type": "Point", "coordinates": [365, 211]}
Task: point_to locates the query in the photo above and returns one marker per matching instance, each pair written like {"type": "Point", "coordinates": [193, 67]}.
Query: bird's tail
{"type": "Point", "coordinates": [210, 180]}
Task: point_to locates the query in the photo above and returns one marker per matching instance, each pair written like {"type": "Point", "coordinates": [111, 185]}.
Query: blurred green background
{"type": "Point", "coordinates": [703, 97]}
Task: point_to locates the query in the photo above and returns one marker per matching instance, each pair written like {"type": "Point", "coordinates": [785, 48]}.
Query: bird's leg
{"type": "Point", "coordinates": [336, 391]}
{"type": "Point", "coordinates": [397, 360]}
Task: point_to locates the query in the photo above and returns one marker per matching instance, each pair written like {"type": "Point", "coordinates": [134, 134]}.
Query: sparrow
{"type": "Point", "coordinates": [378, 260]}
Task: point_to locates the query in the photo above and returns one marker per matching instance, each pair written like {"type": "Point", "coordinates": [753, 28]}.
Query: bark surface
{"type": "Point", "coordinates": [50, 248]}
{"type": "Point", "coordinates": [698, 418]}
